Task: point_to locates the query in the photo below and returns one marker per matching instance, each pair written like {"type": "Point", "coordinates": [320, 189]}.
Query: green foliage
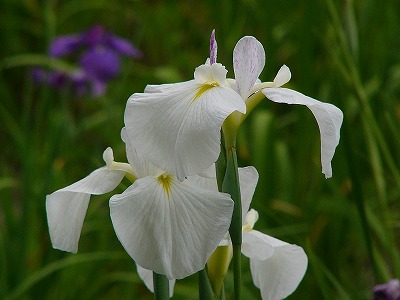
{"type": "Point", "coordinates": [343, 52]}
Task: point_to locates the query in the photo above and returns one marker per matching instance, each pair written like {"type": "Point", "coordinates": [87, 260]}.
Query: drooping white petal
{"type": "Point", "coordinates": [278, 276]}
{"type": "Point", "coordinates": [170, 230]}
{"type": "Point", "coordinates": [248, 62]}
{"type": "Point", "coordinates": [66, 208]}
{"type": "Point", "coordinates": [140, 166]}
{"type": "Point", "coordinates": [255, 246]}
{"type": "Point", "coordinates": [328, 116]}
{"type": "Point", "coordinates": [283, 76]}
{"type": "Point", "coordinates": [147, 277]}
{"type": "Point", "coordinates": [179, 130]}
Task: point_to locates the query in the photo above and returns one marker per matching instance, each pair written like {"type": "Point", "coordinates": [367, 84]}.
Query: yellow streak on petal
{"type": "Point", "coordinates": [204, 88]}
{"type": "Point", "coordinates": [165, 181]}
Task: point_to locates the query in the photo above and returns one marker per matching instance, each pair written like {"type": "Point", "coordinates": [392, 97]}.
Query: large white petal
{"type": "Point", "coordinates": [248, 62]}
{"type": "Point", "coordinates": [147, 277]}
{"type": "Point", "coordinates": [66, 208]}
{"type": "Point", "coordinates": [172, 233]}
{"type": "Point", "coordinates": [179, 130]}
{"type": "Point", "coordinates": [278, 276]}
{"type": "Point", "coordinates": [328, 116]}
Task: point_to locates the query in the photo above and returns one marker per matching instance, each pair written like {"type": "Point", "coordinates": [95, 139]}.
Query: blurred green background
{"type": "Point", "coordinates": [343, 52]}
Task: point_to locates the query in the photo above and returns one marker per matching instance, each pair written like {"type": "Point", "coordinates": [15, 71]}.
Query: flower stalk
{"type": "Point", "coordinates": [230, 185]}
{"type": "Point", "coordinates": [161, 287]}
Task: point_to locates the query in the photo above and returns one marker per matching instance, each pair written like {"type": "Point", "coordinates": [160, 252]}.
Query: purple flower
{"type": "Point", "coordinates": [387, 291]}
{"type": "Point", "coordinates": [98, 54]}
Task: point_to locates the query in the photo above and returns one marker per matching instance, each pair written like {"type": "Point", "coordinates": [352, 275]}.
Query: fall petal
{"type": "Point", "coordinates": [170, 230]}
{"type": "Point", "coordinates": [255, 246]}
{"type": "Point", "coordinates": [66, 208]}
{"type": "Point", "coordinates": [278, 276]}
{"type": "Point", "coordinates": [178, 130]}
{"type": "Point", "coordinates": [328, 116]}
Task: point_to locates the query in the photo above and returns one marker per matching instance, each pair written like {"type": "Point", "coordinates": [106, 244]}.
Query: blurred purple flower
{"type": "Point", "coordinates": [387, 291]}
{"type": "Point", "coordinates": [98, 57]}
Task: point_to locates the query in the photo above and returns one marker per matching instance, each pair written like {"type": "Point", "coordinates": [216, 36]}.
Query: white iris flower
{"type": "Point", "coordinates": [277, 267]}
{"type": "Point", "coordinates": [165, 225]}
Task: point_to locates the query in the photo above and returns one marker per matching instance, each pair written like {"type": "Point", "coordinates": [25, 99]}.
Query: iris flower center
{"type": "Point", "coordinates": [165, 181]}
{"type": "Point", "coordinates": [204, 88]}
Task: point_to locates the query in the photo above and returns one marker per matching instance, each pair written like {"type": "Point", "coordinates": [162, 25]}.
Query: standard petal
{"type": "Point", "coordinates": [179, 130]}
{"type": "Point", "coordinates": [248, 62]}
{"type": "Point", "coordinates": [278, 276]}
{"type": "Point", "coordinates": [248, 178]}
{"type": "Point", "coordinates": [328, 116]}
{"type": "Point", "coordinates": [65, 45]}
{"type": "Point", "coordinates": [122, 46]}
{"type": "Point", "coordinates": [140, 166]}
{"type": "Point", "coordinates": [173, 231]}
{"type": "Point", "coordinates": [66, 208]}
{"type": "Point", "coordinates": [147, 277]}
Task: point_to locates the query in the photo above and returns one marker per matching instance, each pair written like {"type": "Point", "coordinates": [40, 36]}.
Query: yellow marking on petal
{"type": "Point", "coordinates": [204, 88]}
{"type": "Point", "coordinates": [165, 181]}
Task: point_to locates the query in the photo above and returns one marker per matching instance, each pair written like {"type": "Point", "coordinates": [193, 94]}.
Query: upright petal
{"type": "Point", "coordinates": [66, 208]}
{"type": "Point", "coordinates": [248, 178]}
{"type": "Point", "coordinates": [328, 116]}
{"type": "Point", "coordinates": [122, 46]}
{"type": "Point", "coordinates": [64, 45]}
{"type": "Point", "coordinates": [278, 276]}
{"type": "Point", "coordinates": [147, 277]}
{"type": "Point", "coordinates": [283, 76]}
{"type": "Point", "coordinates": [170, 227]}
{"type": "Point", "coordinates": [178, 129]}
{"type": "Point", "coordinates": [248, 62]}
{"type": "Point", "coordinates": [140, 166]}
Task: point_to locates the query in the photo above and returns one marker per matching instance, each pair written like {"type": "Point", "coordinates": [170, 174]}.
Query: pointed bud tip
{"type": "Point", "coordinates": [108, 156]}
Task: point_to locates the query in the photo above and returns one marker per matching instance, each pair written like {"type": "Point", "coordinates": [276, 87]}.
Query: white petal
{"type": "Point", "coordinates": [283, 76]}
{"type": "Point", "coordinates": [248, 178]}
{"type": "Point", "coordinates": [140, 166]}
{"type": "Point", "coordinates": [66, 208]}
{"type": "Point", "coordinates": [256, 246]}
{"type": "Point", "coordinates": [278, 276]}
{"type": "Point", "coordinates": [147, 277]}
{"type": "Point", "coordinates": [248, 62]}
{"type": "Point", "coordinates": [170, 233]}
{"type": "Point", "coordinates": [328, 116]}
{"type": "Point", "coordinates": [179, 130]}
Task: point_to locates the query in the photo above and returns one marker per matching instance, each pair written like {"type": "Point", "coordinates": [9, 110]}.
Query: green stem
{"type": "Point", "coordinates": [161, 286]}
{"type": "Point", "coordinates": [237, 271]}
{"type": "Point", "coordinates": [231, 185]}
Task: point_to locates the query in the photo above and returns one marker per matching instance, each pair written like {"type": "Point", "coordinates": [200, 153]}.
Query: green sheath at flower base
{"type": "Point", "coordinates": [217, 267]}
